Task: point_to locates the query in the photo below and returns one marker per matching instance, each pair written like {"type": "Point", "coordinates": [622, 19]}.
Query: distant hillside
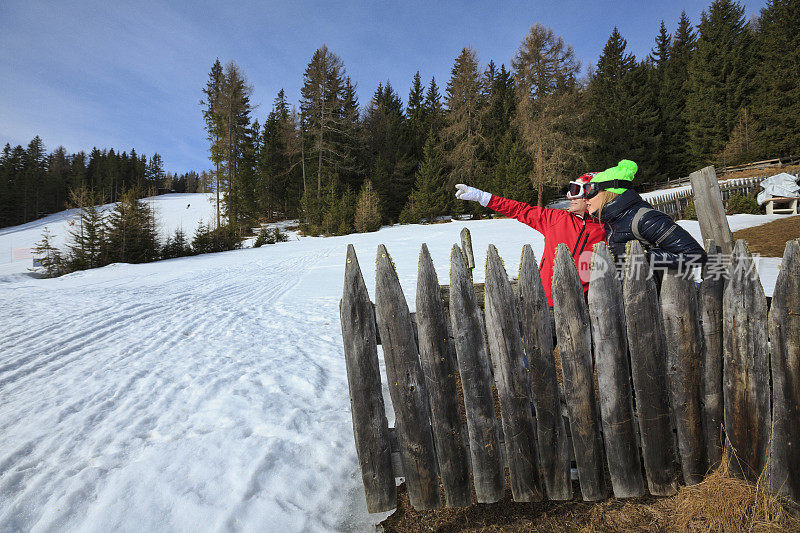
{"type": "Point", "coordinates": [173, 211]}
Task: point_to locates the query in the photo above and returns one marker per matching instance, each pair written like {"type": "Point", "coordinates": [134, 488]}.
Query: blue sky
{"type": "Point", "coordinates": [129, 74]}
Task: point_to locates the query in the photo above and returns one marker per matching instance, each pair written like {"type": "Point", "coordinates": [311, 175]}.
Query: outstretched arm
{"type": "Point", "coordinates": [536, 217]}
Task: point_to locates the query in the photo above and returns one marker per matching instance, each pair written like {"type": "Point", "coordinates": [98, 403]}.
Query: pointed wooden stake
{"type": "Point", "coordinates": [406, 386]}
{"type": "Point", "coordinates": [366, 400]}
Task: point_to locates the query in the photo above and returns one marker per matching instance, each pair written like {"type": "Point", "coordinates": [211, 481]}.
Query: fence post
{"type": "Point", "coordinates": [684, 353]}
{"type": "Point", "coordinates": [574, 347]}
{"type": "Point", "coordinates": [466, 246]}
{"type": "Point", "coordinates": [476, 382]}
{"type": "Point", "coordinates": [406, 386]}
{"type": "Point", "coordinates": [439, 369]}
{"type": "Point", "coordinates": [366, 400]}
{"type": "Point", "coordinates": [613, 377]}
{"type": "Point", "coordinates": [537, 339]}
{"type": "Point", "coordinates": [648, 369]}
{"type": "Point", "coordinates": [746, 367]}
{"type": "Point", "coordinates": [711, 289]}
{"type": "Point", "coordinates": [784, 331]}
{"type": "Point", "coordinates": [710, 209]}
{"type": "Point", "coordinates": [512, 381]}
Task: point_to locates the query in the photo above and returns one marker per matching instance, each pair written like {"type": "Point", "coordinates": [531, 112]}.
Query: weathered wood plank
{"type": "Point", "coordinates": [711, 316]}
{"type": "Point", "coordinates": [537, 341]}
{"type": "Point", "coordinates": [684, 354]}
{"type": "Point", "coordinates": [648, 368]}
{"type": "Point", "coordinates": [512, 381]}
{"type": "Point", "coordinates": [607, 315]}
{"type": "Point", "coordinates": [746, 367]}
{"type": "Point", "coordinates": [574, 346]}
{"type": "Point", "coordinates": [710, 209]}
{"type": "Point", "coordinates": [366, 400]}
{"type": "Point", "coordinates": [466, 247]}
{"type": "Point", "coordinates": [439, 367]}
{"type": "Point", "coordinates": [406, 386]}
{"type": "Point", "coordinates": [476, 383]}
{"type": "Point", "coordinates": [784, 332]}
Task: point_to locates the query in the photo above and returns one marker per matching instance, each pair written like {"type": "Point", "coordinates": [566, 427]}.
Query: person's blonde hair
{"type": "Point", "coordinates": [607, 197]}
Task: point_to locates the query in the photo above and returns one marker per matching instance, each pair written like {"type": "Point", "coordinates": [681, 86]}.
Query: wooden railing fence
{"type": "Point", "coordinates": [642, 373]}
{"type": "Point", "coordinates": [675, 203]}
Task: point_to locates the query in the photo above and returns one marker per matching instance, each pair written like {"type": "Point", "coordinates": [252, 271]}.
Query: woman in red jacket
{"type": "Point", "coordinates": [573, 227]}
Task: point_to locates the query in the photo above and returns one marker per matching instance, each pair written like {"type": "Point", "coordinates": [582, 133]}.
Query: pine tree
{"type": "Point", "coordinates": [367, 215]}
{"type": "Point", "coordinates": [387, 149]}
{"type": "Point", "coordinates": [86, 245]}
{"type": "Point", "coordinates": [644, 132]}
{"type": "Point", "coordinates": [671, 78]}
{"type": "Point", "coordinates": [50, 260]}
{"type": "Point", "coordinates": [322, 116]}
{"type": "Point", "coordinates": [429, 197]}
{"type": "Point", "coordinates": [610, 103]}
{"type": "Point", "coordinates": [416, 121]}
{"type": "Point", "coordinates": [234, 110]}
{"type": "Point", "coordinates": [743, 145]}
{"type": "Point", "coordinates": [512, 170]}
{"type": "Point", "coordinates": [502, 106]}
{"type": "Point", "coordinates": [201, 242]}
{"type": "Point", "coordinates": [433, 109]}
{"type": "Point", "coordinates": [131, 234]}
{"type": "Point", "coordinates": [213, 123]}
{"type": "Point", "coordinates": [544, 73]}
{"type": "Point", "coordinates": [351, 165]}
{"type": "Point", "coordinates": [35, 173]}
{"type": "Point", "coordinates": [719, 83]}
{"type": "Point", "coordinates": [777, 98]}
{"type": "Point", "coordinates": [155, 172]}
{"type": "Point", "coordinates": [461, 135]}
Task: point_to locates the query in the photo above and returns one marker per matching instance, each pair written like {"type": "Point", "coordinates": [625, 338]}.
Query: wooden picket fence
{"type": "Point", "coordinates": [649, 381]}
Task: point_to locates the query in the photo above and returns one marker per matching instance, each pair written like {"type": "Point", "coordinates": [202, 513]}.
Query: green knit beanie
{"type": "Point", "coordinates": [625, 170]}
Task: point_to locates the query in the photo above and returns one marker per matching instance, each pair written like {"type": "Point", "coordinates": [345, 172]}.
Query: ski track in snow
{"type": "Point", "coordinates": [180, 404]}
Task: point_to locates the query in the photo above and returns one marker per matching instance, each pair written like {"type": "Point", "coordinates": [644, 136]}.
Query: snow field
{"type": "Point", "coordinates": [206, 393]}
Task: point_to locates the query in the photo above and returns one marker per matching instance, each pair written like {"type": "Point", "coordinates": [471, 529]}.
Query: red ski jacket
{"type": "Point", "coordinates": [580, 234]}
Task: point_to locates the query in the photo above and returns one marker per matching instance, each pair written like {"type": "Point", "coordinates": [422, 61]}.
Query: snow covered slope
{"type": "Point", "coordinates": [173, 211]}
{"type": "Point", "coordinates": [198, 394]}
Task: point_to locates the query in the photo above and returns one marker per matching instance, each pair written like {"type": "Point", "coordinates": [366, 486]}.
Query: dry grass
{"type": "Point", "coordinates": [765, 172]}
{"type": "Point", "coordinates": [769, 239]}
{"type": "Point", "coordinates": [720, 504]}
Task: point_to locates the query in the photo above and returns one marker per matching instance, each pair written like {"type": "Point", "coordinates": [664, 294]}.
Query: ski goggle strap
{"type": "Point", "coordinates": [591, 189]}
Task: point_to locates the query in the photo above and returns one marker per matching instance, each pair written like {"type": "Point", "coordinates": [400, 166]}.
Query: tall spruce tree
{"type": "Point", "coordinates": [428, 200]}
{"type": "Point", "coordinates": [512, 170]}
{"type": "Point", "coordinates": [673, 78]}
{"type": "Point", "coordinates": [776, 105]}
{"type": "Point", "coordinates": [387, 150]}
{"type": "Point", "coordinates": [234, 109]}
{"type": "Point", "coordinates": [212, 116]}
{"type": "Point", "coordinates": [131, 235]}
{"type": "Point", "coordinates": [322, 97]}
{"type": "Point", "coordinates": [610, 103]}
{"type": "Point", "coordinates": [86, 246]}
{"type": "Point", "coordinates": [501, 102]}
{"type": "Point", "coordinates": [462, 134]}
{"type": "Point", "coordinates": [434, 109]}
{"type": "Point", "coordinates": [719, 83]}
